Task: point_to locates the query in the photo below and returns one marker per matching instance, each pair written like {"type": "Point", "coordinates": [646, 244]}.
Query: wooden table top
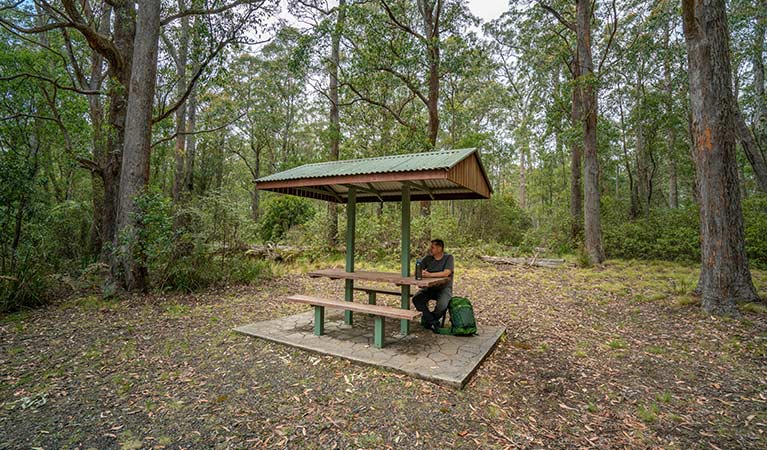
{"type": "Point", "coordinates": [386, 277]}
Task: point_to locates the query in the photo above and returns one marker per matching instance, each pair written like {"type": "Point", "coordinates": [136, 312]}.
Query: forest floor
{"type": "Point", "coordinates": [609, 357]}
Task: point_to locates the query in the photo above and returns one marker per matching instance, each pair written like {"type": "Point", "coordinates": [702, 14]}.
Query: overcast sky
{"type": "Point", "coordinates": [488, 10]}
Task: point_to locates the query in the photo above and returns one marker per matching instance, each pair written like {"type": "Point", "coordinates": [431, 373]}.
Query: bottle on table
{"type": "Point", "coordinates": [418, 269]}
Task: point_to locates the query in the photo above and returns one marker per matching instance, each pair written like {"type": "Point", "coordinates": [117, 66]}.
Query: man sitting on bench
{"type": "Point", "coordinates": [435, 265]}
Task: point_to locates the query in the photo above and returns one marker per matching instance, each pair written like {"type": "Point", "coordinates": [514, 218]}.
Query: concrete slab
{"type": "Point", "coordinates": [447, 360]}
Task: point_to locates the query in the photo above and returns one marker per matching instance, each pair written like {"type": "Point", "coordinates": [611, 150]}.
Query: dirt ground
{"type": "Point", "coordinates": [612, 357]}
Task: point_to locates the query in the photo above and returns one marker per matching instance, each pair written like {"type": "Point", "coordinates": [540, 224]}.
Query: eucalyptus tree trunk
{"type": "Point", "coordinates": [576, 155]}
{"type": "Point", "coordinates": [182, 55]}
{"type": "Point", "coordinates": [725, 278]}
{"type": "Point", "coordinates": [134, 175]}
{"type": "Point", "coordinates": [748, 140]}
{"type": "Point", "coordinates": [123, 35]}
{"type": "Point", "coordinates": [673, 188]}
{"type": "Point", "coordinates": [191, 142]}
{"type": "Point", "coordinates": [430, 13]}
{"type": "Point", "coordinates": [591, 212]}
{"type": "Point", "coordinates": [751, 149]}
{"type": "Point", "coordinates": [523, 175]}
{"type": "Point", "coordinates": [760, 120]}
{"type": "Point", "coordinates": [335, 123]}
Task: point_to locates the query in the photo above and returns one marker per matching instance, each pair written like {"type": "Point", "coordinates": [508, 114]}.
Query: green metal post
{"type": "Point", "coordinates": [404, 324]}
{"type": "Point", "coordinates": [372, 297]}
{"type": "Point", "coordinates": [319, 320]}
{"type": "Point", "coordinates": [378, 332]}
{"type": "Point", "coordinates": [351, 221]}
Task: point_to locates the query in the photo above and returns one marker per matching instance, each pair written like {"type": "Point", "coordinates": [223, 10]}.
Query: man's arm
{"type": "Point", "coordinates": [444, 273]}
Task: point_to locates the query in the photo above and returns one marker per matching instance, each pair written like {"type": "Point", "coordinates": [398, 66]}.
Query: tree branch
{"type": "Point", "coordinates": [406, 80]}
{"type": "Point", "coordinates": [53, 82]}
{"type": "Point", "coordinates": [556, 14]}
{"type": "Point", "coordinates": [191, 133]}
{"type": "Point", "coordinates": [386, 107]}
{"type": "Point", "coordinates": [208, 11]}
{"type": "Point", "coordinates": [610, 39]}
{"type": "Point", "coordinates": [399, 24]}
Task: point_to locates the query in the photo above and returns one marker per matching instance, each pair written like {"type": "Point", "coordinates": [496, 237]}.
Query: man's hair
{"type": "Point", "coordinates": [439, 242]}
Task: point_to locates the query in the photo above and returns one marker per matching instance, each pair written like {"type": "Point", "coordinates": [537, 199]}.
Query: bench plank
{"type": "Point", "coordinates": [380, 291]}
{"type": "Point", "coordinates": [376, 310]}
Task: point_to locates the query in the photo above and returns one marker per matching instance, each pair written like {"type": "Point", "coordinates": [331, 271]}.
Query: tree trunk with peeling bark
{"type": "Point", "coordinates": [134, 175]}
{"type": "Point", "coordinates": [751, 149]}
{"type": "Point", "coordinates": [124, 29]}
{"type": "Point", "coordinates": [725, 278]}
{"type": "Point", "coordinates": [335, 122]}
{"type": "Point", "coordinates": [182, 55]}
{"type": "Point", "coordinates": [576, 155]}
{"type": "Point", "coordinates": [673, 188]}
{"type": "Point", "coordinates": [191, 142]}
{"type": "Point", "coordinates": [592, 228]}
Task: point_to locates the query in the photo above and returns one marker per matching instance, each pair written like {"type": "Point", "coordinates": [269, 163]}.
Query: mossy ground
{"type": "Point", "coordinates": [613, 356]}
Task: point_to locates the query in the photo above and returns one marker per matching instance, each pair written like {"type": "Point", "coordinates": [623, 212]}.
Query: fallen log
{"type": "Point", "coordinates": [539, 262]}
{"type": "Point", "coordinates": [273, 252]}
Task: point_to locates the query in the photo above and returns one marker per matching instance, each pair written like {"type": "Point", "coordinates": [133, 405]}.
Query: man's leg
{"type": "Point", "coordinates": [421, 303]}
{"type": "Point", "coordinates": [443, 301]}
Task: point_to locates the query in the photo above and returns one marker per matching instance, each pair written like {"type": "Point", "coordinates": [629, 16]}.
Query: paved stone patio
{"type": "Point", "coordinates": [448, 360]}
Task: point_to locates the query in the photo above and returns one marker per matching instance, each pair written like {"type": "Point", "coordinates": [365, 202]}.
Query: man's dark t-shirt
{"type": "Point", "coordinates": [444, 263]}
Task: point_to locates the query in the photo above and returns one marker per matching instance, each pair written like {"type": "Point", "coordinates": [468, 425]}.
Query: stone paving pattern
{"type": "Point", "coordinates": [448, 360]}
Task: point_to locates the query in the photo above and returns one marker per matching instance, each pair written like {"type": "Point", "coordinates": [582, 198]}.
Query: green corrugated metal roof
{"type": "Point", "coordinates": [441, 159]}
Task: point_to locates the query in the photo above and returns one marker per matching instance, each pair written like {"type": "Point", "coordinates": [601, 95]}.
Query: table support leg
{"type": "Point", "coordinates": [319, 320]}
{"type": "Point", "coordinates": [404, 324]}
{"type": "Point", "coordinates": [378, 332]}
{"type": "Point", "coordinates": [351, 223]}
{"type": "Point", "coordinates": [349, 297]}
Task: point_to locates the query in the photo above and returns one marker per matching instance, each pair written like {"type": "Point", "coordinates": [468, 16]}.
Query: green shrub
{"type": "Point", "coordinates": [280, 213]}
{"type": "Point", "coordinates": [198, 244]}
{"type": "Point", "coordinates": [499, 219]}
{"type": "Point", "coordinates": [667, 234]}
{"type": "Point", "coordinates": [755, 220]}
{"type": "Point", "coordinates": [674, 234]}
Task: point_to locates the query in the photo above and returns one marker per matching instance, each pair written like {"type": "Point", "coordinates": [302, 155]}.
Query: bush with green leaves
{"type": "Point", "coordinates": [499, 219]}
{"type": "Point", "coordinates": [198, 244]}
{"type": "Point", "coordinates": [280, 214]}
{"type": "Point", "coordinates": [755, 220]}
{"type": "Point", "coordinates": [674, 234]}
{"type": "Point", "coordinates": [669, 234]}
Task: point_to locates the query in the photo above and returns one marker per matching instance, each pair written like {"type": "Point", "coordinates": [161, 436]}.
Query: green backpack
{"type": "Point", "coordinates": [461, 318]}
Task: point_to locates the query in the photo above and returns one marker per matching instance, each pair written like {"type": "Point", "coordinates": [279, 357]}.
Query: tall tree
{"type": "Point", "coordinates": [335, 123]}
{"type": "Point", "coordinates": [725, 278]}
{"type": "Point", "coordinates": [180, 56]}
{"type": "Point", "coordinates": [592, 227]}
{"type": "Point", "coordinates": [138, 142]}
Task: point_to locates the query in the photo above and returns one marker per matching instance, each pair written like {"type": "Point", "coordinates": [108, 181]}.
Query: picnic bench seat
{"type": "Point", "coordinates": [371, 291]}
{"type": "Point", "coordinates": [378, 312]}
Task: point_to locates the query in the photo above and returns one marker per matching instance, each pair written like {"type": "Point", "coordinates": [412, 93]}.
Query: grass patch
{"type": "Point", "coordinates": [18, 316]}
{"type": "Point", "coordinates": [176, 311]}
{"type": "Point", "coordinates": [757, 308]}
{"type": "Point", "coordinates": [664, 397]}
{"type": "Point", "coordinates": [648, 413]}
{"type": "Point", "coordinates": [687, 300]}
{"type": "Point", "coordinates": [655, 350]}
{"type": "Point", "coordinates": [617, 344]}
{"type": "Point", "coordinates": [93, 303]}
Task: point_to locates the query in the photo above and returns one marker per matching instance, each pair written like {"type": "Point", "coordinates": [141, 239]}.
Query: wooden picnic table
{"type": "Point", "coordinates": [385, 277]}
